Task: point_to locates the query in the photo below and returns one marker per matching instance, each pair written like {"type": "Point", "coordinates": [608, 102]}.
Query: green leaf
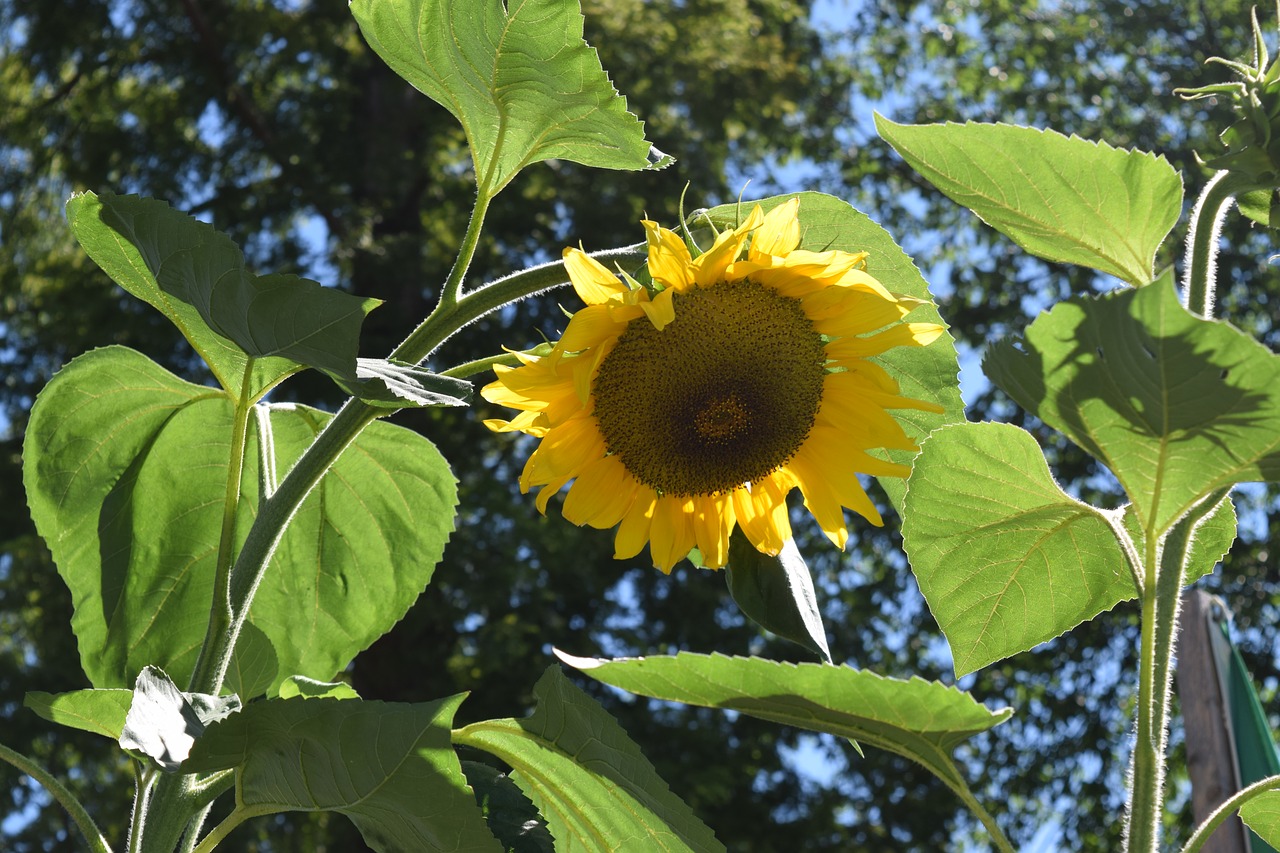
{"type": "Point", "coordinates": [272, 325]}
{"type": "Point", "coordinates": [164, 723]}
{"type": "Point", "coordinates": [1176, 406]}
{"type": "Point", "coordinates": [921, 720]}
{"type": "Point", "coordinates": [388, 767]}
{"type": "Point", "coordinates": [776, 593]}
{"type": "Point", "coordinates": [1005, 559]}
{"type": "Point", "coordinates": [1262, 814]}
{"type": "Point", "coordinates": [253, 667]}
{"type": "Point", "coordinates": [1060, 198]}
{"type": "Point", "coordinates": [924, 373]}
{"type": "Point", "coordinates": [309, 688]}
{"type": "Point", "coordinates": [510, 815]}
{"type": "Point", "coordinates": [587, 778]}
{"type": "Point", "coordinates": [518, 76]}
{"type": "Point", "coordinates": [101, 712]}
{"type": "Point", "coordinates": [125, 467]}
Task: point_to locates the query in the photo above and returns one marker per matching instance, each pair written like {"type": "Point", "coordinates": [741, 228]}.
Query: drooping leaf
{"type": "Point", "coordinates": [1060, 198]}
{"type": "Point", "coordinates": [924, 373]}
{"type": "Point", "coordinates": [164, 723]}
{"type": "Point", "coordinates": [125, 467]}
{"type": "Point", "coordinates": [776, 593]}
{"type": "Point", "coordinates": [388, 767]}
{"type": "Point", "coordinates": [921, 720]}
{"type": "Point", "coordinates": [518, 76]}
{"type": "Point", "coordinates": [253, 666]}
{"type": "Point", "coordinates": [587, 778]}
{"type": "Point", "coordinates": [195, 276]}
{"type": "Point", "coordinates": [391, 384]}
{"type": "Point", "coordinates": [1176, 406]}
{"type": "Point", "coordinates": [101, 712]}
{"type": "Point", "coordinates": [510, 815]}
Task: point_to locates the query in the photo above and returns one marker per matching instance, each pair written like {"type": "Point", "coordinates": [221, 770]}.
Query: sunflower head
{"type": "Point", "coordinates": [684, 409]}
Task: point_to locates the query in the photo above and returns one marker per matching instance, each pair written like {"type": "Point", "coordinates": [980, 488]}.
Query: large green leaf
{"type": "Point", "coordinates": [924, 373]}
{"type": "Point", "coordinates": [1005, 559]}
{"type": "Point", "coordinates": [587, 778]}
{"type": "Point", "coordinates": [389, 767]}
{"type": "Point", "coordinates": [195, 276]}
{"type": "Point", "coordinates": [517, 75]}
{"type": "Point", "coordinates": [1176, 406]}
{"type": "Point", "coordinates": [125, 467]}
{"type": "Point", "coordinates": [921, 720]}
{"type": "Point", "coordinates": [1064, 199]}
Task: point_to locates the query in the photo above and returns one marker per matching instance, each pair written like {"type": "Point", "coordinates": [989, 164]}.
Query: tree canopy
{"type": "Point", "coordinates": [276, 122]}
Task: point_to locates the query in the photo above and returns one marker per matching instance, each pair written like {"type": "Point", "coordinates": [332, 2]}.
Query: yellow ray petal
{"type": "Point", "coordinates": [633, 531]}
{"type": "Point", "coordinates": [713, 522]}
{"type": "Point", "coordinates": [669, 259]}
{"type": "Point", "coordinates": [601, 495]}
{"type": "Point", "coordinates": [593, 281]}
{"type": "Point", "coordinates": [671, 537]}
{"type": "Point", "coordinates": [779, 233]}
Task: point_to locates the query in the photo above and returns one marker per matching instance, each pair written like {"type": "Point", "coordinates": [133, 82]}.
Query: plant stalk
{"type": "Point", "coordinates": [93, 836]}
{"type": "Point", "coordinates": [1165, 559]}
{"type": "Point", "coordinates": [1201, 264]}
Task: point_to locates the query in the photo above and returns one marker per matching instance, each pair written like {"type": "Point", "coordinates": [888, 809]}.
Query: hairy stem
{"type": "Point", "coordinates": [96, 841]}
{"type": "Point", "coordinates": [1165, 560]}
{"type": "Point", "coordinates": [1226, 810]}
{"type": "Point", "coordinates": [1201, 263]}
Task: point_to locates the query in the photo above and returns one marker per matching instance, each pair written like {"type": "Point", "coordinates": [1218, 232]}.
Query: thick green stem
{"type": "Point", "coordinates": [1165, 559]}
{"type": "Point", "coordinates": [96, 841]}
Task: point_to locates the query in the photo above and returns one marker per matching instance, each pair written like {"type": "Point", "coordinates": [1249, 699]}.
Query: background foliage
{"type": "Point", "coordinates": [276, 122]}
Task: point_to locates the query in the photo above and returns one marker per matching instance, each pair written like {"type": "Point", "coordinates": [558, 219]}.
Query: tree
{"type": "Point", "coordinates": [278, 124]}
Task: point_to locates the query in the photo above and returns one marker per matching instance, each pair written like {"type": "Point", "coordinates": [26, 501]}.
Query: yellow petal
{"type": "Point", "coordinates": [900, 335]}
{"type": "Point", "coordinates": [761, 511]}
{"type": "Point", "coordinates": [779, 234]}
{"type": "Point", "coordinates": [661, 310]}
{"type": "Point", "coordinates": [589, 327]}
{"type": "Point", "coordinates": [669, 259]}
{"type": "Point", "coordinates": [671, 538]}
{"type": "Point", "coordinates": [565, 449]}
{"type": "Point", "coordinates": [593, 281]}
{"type": "Point", "coordinates": [711, 264]}
{"type": "Point", "coordinates": [549, 490]}
{"type": "Point", "coordinates": [601, 495]}
{"type": "Point", "coordinates": [713, 522]}
{"type": "Point", "coordinates": [633, 531]}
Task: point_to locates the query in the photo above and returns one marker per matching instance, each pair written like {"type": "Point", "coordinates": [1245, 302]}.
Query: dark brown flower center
{"type": "Point", "coordinates": [724, 395]}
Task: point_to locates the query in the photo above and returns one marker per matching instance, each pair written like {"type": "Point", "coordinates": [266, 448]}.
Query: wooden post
{"type": "Point", "coordinates": [1211, 757]}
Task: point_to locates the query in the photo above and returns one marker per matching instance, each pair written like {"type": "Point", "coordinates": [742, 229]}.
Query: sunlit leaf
{"type": "Point", "coordinates": [921, 720]}
{"type": "Point", "coordinates": [1262, 815]}
{"type": "Point", "coordinates": [587, 778]}
{"type": "Point", "coordinates": [101, 712]}
{"type": "Point", "coordinates": [1061, 198]}
{"type": "Point", "coordinates": [125, 467]}
{"type": "Point", "coordinates": [388, 767]}
{"type": "Point", "coordinates": [1176, 406]}
{"type": "Point", "coordinates": [517, 75]}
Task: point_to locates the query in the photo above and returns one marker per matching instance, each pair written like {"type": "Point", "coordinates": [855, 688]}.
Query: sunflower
{"type": "Point", "coordinates": [682, 409]}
